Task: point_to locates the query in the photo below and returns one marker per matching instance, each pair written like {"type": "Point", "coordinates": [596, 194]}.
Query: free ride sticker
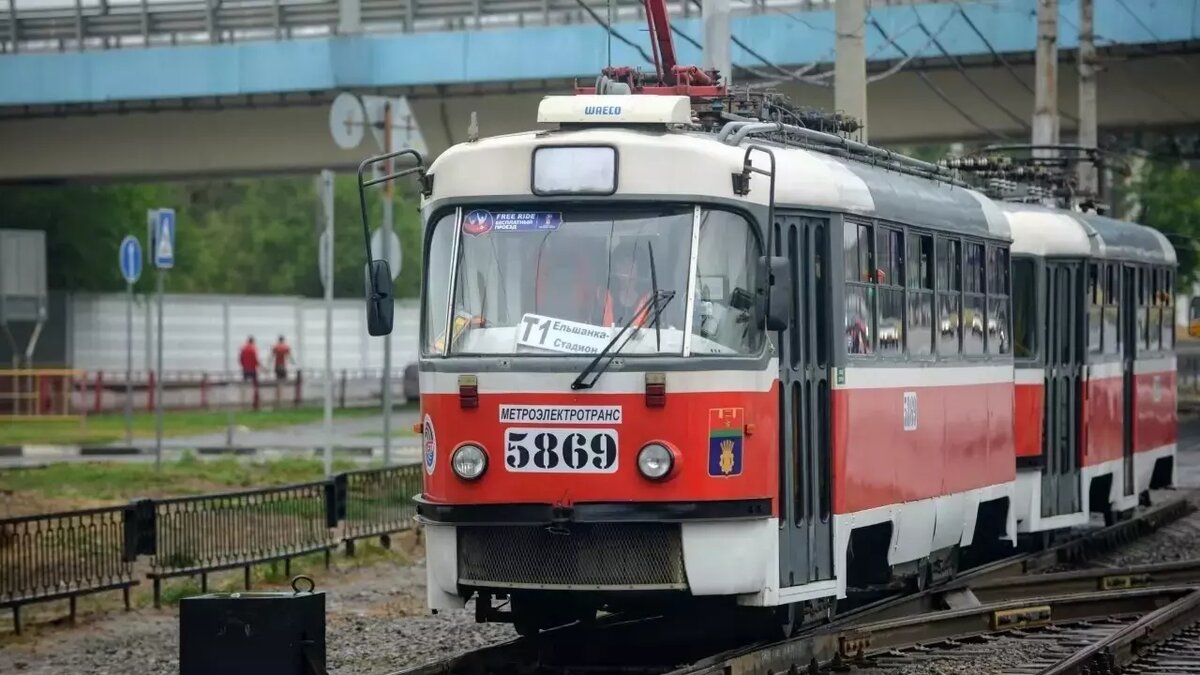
{"type": "Point", "coordinates": [479, 221]}
{"type": "Point", "coordinates": [538, 450]}
{"type": "Point", "coordinates": [559, 335]}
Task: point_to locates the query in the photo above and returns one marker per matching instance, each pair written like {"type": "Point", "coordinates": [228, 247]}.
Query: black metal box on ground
{"type": "Point", "coordinates": [252, 633]}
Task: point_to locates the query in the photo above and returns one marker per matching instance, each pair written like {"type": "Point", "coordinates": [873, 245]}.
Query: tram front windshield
{"type": "Point", "coordinates": [564, 282]}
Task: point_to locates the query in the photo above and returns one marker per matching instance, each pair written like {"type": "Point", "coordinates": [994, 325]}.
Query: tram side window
{"type": "Point", "coordinates": [949, 296]}
{"type": "Point", "coordinates": [919, 334]}
{"type": "Point", "coordinates": [1168, 311]}
{"type": "Point", "coordinates": [974, 315]}
{"type": "Point", "coordinates": [858, 254]}
{"type": "Point", "coordinates": [1154, 323]}
{"type": "Point", "coordinates": [890, 282]}
{"type": "Point", "coordinates": [1095, 309]}
{"type": "Point", "coordinates": [998, 339]}
{"type": "Point", "coordinates": [1112, 295]}
{"type": "Point", "coordinates": [1025, 321]}
{"type": "Point", "coordinates": [1143, 309]}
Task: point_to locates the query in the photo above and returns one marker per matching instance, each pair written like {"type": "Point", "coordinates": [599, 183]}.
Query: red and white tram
{"type": "Point", "coordinates": [661, 365]}
{"type": "Point", "coordinates": [1094, 339]}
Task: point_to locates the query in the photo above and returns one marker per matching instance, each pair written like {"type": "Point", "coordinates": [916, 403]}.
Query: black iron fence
{"type": "Point", "coordinates": [376, 502]}
{"type": "Point", "coordinates": [64, 555]}
{"type": "Point", "coordinates": [69, 554]}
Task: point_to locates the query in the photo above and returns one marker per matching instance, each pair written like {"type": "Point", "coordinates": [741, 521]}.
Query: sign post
{"type": "Point", "coordinates": [131, 269]}
{"type": "Point", "coordinates": [325, 260]}
{"type": "Point", "coordinates": [162, 244]}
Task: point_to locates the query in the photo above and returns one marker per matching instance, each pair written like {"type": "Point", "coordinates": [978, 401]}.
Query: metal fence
{"type": "Point", "coordinates": [65, 555]}
{"type": "Point", "coordinates": [73, 553]}
{"type": "Point", "coordinates": [209, 533]}
{"type": "Point", "coordinates": [376, 502]}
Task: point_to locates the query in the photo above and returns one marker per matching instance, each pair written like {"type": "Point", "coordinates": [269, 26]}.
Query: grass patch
{"type": "Point", "coordinates": [110, 427]}
{"type": "Point", "coordinates": [106, 482]}
{"type": "Point", "coordinates": [273, 576]}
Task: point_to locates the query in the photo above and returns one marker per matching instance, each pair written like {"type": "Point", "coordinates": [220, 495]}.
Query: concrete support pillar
{"type": "Point", "coordinates": [717, 37]}
{"type": "Point", "coordinates": [1045, 106]}
{"type": "Point", "coordinates": [1088, 126]}
{"type": "Point", "coordinates": [850, 67]}
{"type": "Point", "coordinates": [349, 17]}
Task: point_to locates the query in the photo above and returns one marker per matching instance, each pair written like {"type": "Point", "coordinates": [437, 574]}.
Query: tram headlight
{"type": "Point", "coordinates": [469, 461]}
{"type": "Point", "coordinates": [655, 461]}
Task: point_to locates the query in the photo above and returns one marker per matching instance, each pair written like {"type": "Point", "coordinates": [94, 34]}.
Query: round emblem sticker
{"type": "Point", "coordinates": [430, 446]}
{"type": "Point", "coordinates": [478, 222]}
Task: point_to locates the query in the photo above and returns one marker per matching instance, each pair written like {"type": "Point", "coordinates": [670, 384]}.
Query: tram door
{"type": "Point", "coordinates": [1129, 337]}
{"type": "Point", "coordinates": [806, 502]}
{"type": "Point", "coordinates": [1064, 388]}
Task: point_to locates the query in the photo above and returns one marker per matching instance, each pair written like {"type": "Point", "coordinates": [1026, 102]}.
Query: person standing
{"type": "Point", "coordinates": [248, 358]}
{"type": "Point", "coordinates": [283, 354]}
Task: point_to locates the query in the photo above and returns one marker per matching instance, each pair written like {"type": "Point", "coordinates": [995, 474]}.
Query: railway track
{"type": "Point", "coordinates": [1033, 600]}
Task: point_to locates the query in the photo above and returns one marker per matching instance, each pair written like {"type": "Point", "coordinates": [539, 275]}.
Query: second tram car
{"type": "Point", "coordinates": [662, 366]}
{"type": "Point", "coordinates": [1095, 368]}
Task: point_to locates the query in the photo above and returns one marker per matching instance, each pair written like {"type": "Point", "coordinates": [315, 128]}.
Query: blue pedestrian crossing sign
{"type": "Point", "coordinates": [131, 259]}
{"type": "Point", "coordinates": [163, 239]}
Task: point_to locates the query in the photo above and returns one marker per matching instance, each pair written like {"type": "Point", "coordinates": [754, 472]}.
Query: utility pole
{"type": "Point", "coordinates": [1045, 100]}
{"type": "Point", "coordinates": [1089, 180]}
{"type": "Point", "coordinates": [850, 68]}
{"type": "Point", "coordinates": [386, 236]}
{"type": "Point", "coordinates": [326, 189]}
{"type": "Point", "coordinates": [717, 37]}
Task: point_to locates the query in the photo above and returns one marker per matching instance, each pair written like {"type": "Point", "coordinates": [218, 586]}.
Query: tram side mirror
{"type": "Point", "coordinates": [778, 284]}
{"type": "Point", "coordinates": [380, 304]}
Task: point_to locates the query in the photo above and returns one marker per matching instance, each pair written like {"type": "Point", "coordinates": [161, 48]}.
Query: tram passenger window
{"type": "Point", "coordinates": [1095, 302]}
{"type": "Point", "coordinates": [974, 315]}
{"type": "Point", "coordinates": [1154, 329]}
{"type": "Point", "coordinates": [726, 276]}
{"type": "Point", "coordinates": [858, 254]}
{"type": "Point", "coordinates": [919, 335]}
{"type": "Point", "coordinates": [998, 340]}
{"type": "Point", "coordinates": [949, 296]}
{"type": "Point", "coordinates": [1025, 321]}
{"type": "Point", "coordinates": [1143, 311]}
{"type": "Point", "coordinates": [858, 250]}
{"type": "Point", "coordinates": [890, 278]}
{"type": "Point", "coordinates": [1112, 338]}
{"type": "Point", "coordinates": [1168, 311]}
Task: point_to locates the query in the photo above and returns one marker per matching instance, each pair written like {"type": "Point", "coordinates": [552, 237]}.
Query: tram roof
{"type": "Point", "coordinates": [1042, 231]}
{"type": "Point", "coordinates": [657, 163]}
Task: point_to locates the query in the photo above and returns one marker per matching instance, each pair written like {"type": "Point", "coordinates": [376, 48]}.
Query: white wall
{"type": "Point", "coordinates": [205, 332]}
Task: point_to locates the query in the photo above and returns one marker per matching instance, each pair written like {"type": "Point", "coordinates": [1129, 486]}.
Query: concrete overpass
{"type": "Point", "coordinates": [262, 106]}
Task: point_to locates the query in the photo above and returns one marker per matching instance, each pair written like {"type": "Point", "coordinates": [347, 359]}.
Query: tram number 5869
{"type": "Point", "coordinates": [560, 450]}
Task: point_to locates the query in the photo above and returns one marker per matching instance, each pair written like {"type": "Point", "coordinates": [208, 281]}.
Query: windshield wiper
{"type": "Point", "coordinates": [654, 304]}
{"type": "Point", "coordinates": [654, 289]}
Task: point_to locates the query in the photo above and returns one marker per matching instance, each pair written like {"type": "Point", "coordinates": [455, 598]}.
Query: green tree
{"type": "Point", "coordinates": [254, 236]}
{"type": "Point", "coordinates": [1169, 197]}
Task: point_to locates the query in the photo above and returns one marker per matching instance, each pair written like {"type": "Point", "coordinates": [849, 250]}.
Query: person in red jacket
{"type": "Point", "coordinates": [249, 360]}
{"type": "Point", "coordinates": [282, 353]}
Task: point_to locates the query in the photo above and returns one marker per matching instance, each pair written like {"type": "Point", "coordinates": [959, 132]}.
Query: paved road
{"type": "Point", "coordinates": [303, 439]}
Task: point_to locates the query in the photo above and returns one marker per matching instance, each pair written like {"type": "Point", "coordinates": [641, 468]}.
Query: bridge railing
{"type": "Point", "coordinates": [100, 24]}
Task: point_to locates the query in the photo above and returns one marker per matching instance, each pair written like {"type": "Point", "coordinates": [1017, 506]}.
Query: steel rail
{"type": "Point", "coordinates": [858, 643]}
{"type": "Point", "coordinates": [892, 620]}
{"type": "Point", "coordinates": [1123, 647]}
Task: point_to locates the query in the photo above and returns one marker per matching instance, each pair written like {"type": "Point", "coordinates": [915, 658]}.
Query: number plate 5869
{"type": "Point", "coordinates": [560, 450]}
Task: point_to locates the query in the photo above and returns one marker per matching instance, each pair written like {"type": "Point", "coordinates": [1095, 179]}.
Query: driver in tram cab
{"type": "Point", "coordinates": [629, 287]}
